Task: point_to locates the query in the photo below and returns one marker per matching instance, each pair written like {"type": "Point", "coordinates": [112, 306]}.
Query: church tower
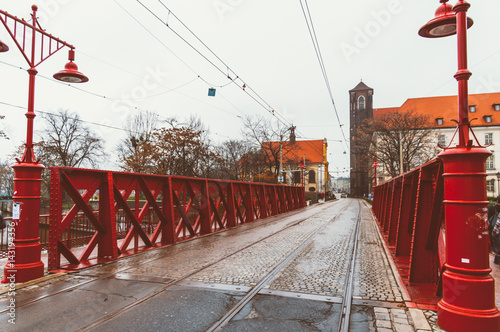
{"type": "Point", "coordinates": [361, 108]}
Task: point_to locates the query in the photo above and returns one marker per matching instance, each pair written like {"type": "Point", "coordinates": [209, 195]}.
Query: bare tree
{"type": "Point", "coordinates": [65, 141]}
{"type": "Point", "coordinates": [6, 177]}
{"type": "Point", "coordinates": [269, 137]}
{"type": "Point", "coordinates": [236, 161]}
{"type": "Point", "coordinates": [140, 128]}
{"type": "Point", "coordinates": [2, 133]}
{"type": "Point", "coordinates": [395, 135]}
{"type": "Point", "coordinates": [177, 149]}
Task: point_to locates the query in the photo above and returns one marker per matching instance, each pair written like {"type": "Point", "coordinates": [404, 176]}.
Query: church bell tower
{"type": "Point", "coordinates": [361, 108]}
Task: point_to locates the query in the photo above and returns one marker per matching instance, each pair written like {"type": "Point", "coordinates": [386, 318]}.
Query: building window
{"type": "Point", "coordinates": [496, 107]}
{"type": "Point", "coordinates": [361, 103]}
{"type": "Point", "coordinates": [490, 185]}
{"type": "Point", "coordinates": [442, 140]}
{"type": "Point", "coordinates": [472, 108]}
{"type": "Point", "coordinates": [312, 176]}
{"type": "Point", "coordinates": [439, 121]}
{"type": "Point", "coordinates": [490, 162]}
{"type": "Point", "coordinates": [487, 118]}
{"type": "Point", "coordinates": [488, 138]}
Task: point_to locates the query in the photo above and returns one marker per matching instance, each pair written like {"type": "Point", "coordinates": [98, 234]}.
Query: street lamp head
{"type": "Point", "coordinates": [443, 24]}
{"type": "Point", "coordinates": [498, 176]}
{"type": "Point", "coordinates": [3, 47]}
{"type": "Point", "coordinates": [70, 73]}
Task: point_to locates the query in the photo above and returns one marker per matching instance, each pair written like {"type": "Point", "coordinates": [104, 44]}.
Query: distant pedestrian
{"type": "Point", "coordinates": [494, 229]}
{"type": "Point", "coordinates": [2, 222]}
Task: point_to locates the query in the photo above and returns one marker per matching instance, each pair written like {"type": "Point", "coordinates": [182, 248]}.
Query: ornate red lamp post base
{"type": "Point", "coordinates": [468, 302]}
{"type": "Point", "coordinates": [25, 259]}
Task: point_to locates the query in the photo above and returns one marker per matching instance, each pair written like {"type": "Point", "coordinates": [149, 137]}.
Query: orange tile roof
{"type": "Point", "coordinates": [313, 150]}
{"type": "Point", "coordinates": [381, 111]}
{"type": "Point", "coordinates": [446, 107]}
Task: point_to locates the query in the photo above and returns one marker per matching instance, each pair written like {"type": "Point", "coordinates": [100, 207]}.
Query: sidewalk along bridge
{"type": "Point", "coordinates": [172, 208]}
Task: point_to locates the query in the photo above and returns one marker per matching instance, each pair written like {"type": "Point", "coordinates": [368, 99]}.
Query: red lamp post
{"type": "Point", "coordinates": [468, 302]}
{"type": "Point", "coordinates": [375, 165]}
{"type": "Point", "coordinates": [302, 167]}
{"type": "Point", "coordinates": [24, 262]}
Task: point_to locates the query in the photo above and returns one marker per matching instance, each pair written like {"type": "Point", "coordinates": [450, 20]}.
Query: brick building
{"type": "Point", "coordinates": [361, 108]}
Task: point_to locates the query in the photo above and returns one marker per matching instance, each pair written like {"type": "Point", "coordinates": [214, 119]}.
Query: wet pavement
{"type": "Point", "coordinates": [295, 264]}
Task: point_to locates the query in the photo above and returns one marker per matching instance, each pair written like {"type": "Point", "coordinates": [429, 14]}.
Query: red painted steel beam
{"type": "Point", "coordinates": [167, 228]}
{"type": "Point", "coordinates": [421, 259]}
{"type": "Point", "coordinates": [395, 211]}
{"type": "Point", "coordinates": [107, 248]}
{"type": "Point", "coordinates": [403, 241]}
{"type": "Point", "coordinates": [230, 206]}
{"type": "Point", "coordinates": [249, 209]}
{"type": "Point", "coordinates": [55, 219]}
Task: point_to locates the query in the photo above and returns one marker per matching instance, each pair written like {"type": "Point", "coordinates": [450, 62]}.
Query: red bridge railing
{"type": "Point", "coordinates": [117, 214]}
{"type": "Point", "coordinates": [410, 213]}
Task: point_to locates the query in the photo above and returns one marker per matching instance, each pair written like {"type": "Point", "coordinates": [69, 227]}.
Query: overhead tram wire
{"type": "Point", "coordinates": [222, 61]}
{"type": "Point", "coordinates": [312, 33]}
{"type": "Point", "coordinates": [257, 98]}
{"type": "Point", "coordinates": [173, 53]}
{"type": "Point", "coordinates": [128, 99]}
{"type": "Point", "coordinates": [58, 115]}
{"type": "Point", "coordinates": [155, 37]}
{"type": "Point", "coordinates": [246, 88]}
{"type": "Point", "coordinates": [261, 100]}
{"type": "Point", "coordinates": [314, 39]}
{"type": "Point", "coordinates": [100, 95]}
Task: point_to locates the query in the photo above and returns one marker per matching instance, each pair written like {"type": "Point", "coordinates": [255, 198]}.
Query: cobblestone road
{"type": "Point", "coordinates": [321, 267]}
{"type": "Point", "coordinates": [373, 278]}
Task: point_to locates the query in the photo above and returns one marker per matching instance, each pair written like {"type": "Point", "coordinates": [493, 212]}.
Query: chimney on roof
{"type": "Point", "coordinates": [292, 135]}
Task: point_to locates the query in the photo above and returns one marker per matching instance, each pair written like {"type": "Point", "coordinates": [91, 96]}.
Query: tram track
{"type": "Point", "coordinates": [249, 293]}
{"type": "Point", "coordinates": [219, 325]}
{"type": "Point", "coordinates": [252, 293]}
{"type": "Point", "coordinates": [166, 285]}
{"type": "Point", "coordinates": [349, 285]}
{"type": "Point", "coordinates": [148, 261]}
{"type": "Point", "coordinates": [347, 295]}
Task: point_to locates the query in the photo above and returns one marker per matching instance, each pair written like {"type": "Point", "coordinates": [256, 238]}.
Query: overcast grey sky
{"type": "Point", "coordinates": [134, 61]}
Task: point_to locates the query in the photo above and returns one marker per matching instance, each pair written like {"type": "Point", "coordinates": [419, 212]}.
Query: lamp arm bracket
{"type": "Point", "coordinates": [20, 37]}
{"type": "Point", "coordinates": [452, 138]}
{"type": "Point", "coordinates": [474, 135]}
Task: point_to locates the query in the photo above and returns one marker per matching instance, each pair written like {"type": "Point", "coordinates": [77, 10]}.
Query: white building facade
{"type": "Point", "coordinates": [484, 116]}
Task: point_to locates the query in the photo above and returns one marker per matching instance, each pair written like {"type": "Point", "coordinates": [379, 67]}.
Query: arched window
{"type": "Point", "coordinates": [361, 103]}
{"type": "Point", "coordinates": [312, 176]}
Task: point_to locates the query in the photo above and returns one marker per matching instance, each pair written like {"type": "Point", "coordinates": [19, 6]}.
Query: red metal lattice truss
{"type": "Point", "coordinates": [163, 210]}
{"type": "Point", "coordinates": [410, 213]}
